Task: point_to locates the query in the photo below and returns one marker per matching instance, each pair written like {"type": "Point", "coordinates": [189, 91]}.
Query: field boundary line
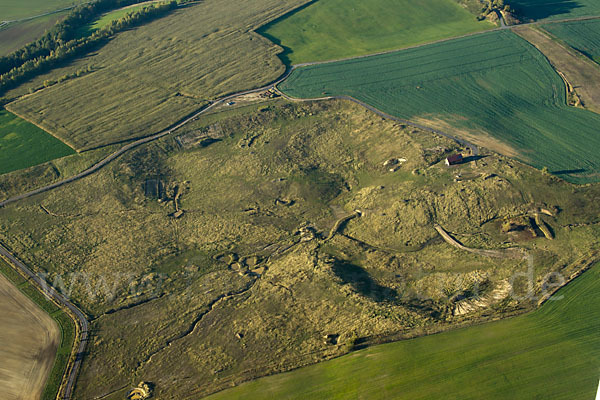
{"type": "Point", "coordinates": [286, 74]}
{"type": "Point", "coordinates": [584, 266]}
{"type": "Point", "coordinates": [382, 114]}
{"type": "Point", "coordinates": [590, 103]}
{"type": "Point", "coordinates": [416, 46]}
{"type": "Point", "coordinates": [146, 139]}
{"type": "Point", "coordinates": [48, 131]}
{"type": "Point", "coordinates": [8, 22]}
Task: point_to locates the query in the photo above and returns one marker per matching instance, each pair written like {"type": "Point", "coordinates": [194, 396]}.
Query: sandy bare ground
{"type": "Point", "coordinates": [29, 339]}
{"type": "Point", "coordinates": [580, 71]}
{"type": "Point", "coordinates": [512, 252]}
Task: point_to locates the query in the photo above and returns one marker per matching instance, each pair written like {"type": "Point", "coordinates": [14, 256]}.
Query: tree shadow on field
{"type": "Point", "coordinates": [569, 171]}
{"type": "Point", "coordinates": [361, 281]}
{"type": "Point", "coordinates": [541, 9]}
{"type": "Point", "coordinates": [283, 56]}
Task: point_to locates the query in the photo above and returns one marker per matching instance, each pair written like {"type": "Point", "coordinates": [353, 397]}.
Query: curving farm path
{"type": "Point", "coordinates": [96, 167]}
{"type": "Point", "coordinates": [273, 85]}
{"type": "Point", "coordinates": [81, 319]}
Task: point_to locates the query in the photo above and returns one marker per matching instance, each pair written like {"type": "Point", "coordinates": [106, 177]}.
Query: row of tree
{"type": "Point", "coordinates": [64, 41]}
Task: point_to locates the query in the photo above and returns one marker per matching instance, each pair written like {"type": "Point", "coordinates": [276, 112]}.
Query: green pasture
{"type": "Point", "coordinates": [584, 36]}
{"type": "Point", "coordinates": [332, 29]}
{"type": "Point", "coordinates": [561, 9]}
{"type": "Point", "coordinates": [109, 17]}
{"type": "Point", "coordinates": [551, 353]}
{"type": "Point", "coordinates": [23, 144]}
{"type": "Point", "coordinates": [490, 87]}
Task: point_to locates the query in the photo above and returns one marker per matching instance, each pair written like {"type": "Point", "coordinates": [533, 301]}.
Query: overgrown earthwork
{"type": "Point", "coordinates": [234, 236]}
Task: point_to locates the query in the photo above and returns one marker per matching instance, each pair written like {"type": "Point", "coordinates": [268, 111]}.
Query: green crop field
{"type": "Point", "coordinates": [332, 29]}
{"type": "Point", "coordinates": [544, 9]}
{"type": "Point", "coordinates": [584, 36]}
{"type": "Point", "coordinates": [23, 144]}
{"type": "Point", "coordinates": [494, 89]}
{"type": "Point", "coordinates": [150, 77]}
{"type": "Point", "coordinates": [552, 353]}
{"type": "Point", "coordinates": [16, 9]}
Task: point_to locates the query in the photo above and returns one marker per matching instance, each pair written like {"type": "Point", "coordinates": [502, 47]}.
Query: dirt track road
{"type": "Point", "coordinates": [80, 317]}
{"type": "Point", "coordinates": [139, 142]}
{"type": "Point", "coordinates": [513, 252]}
{"type": "Point", "coordinates": [287, 73]}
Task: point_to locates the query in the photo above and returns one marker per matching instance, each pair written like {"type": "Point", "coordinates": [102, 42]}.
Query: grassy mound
{"type": "Point", "coordinates": [264, 270]}
{"type": "Point", "coordinates": [553, 353]}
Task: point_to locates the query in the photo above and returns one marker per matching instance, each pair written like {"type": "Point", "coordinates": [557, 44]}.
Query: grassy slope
{"type": "Point", "coordinates": [24, 180]}
{"type": "Point", "coordinates": [331, 29]}
{"type": "Point", "coordinates": [153, 76]}
{"type": "Point", "coordinates": [104, 226]}
{"type": "Point", "coordinates": [17, 9]}
{"type": "Point", "coordinates": [553, 352]}
{"type": "Point", "coordinates": [23, 144]}
{"type": "Point", "coordinates": [65, 323]}
{"type": "Point", "coordinates": [584, 36]}
{"type": "Point", "coordinates": [492, 85]}
{"type": "Point", "coordinates": [544, 9]}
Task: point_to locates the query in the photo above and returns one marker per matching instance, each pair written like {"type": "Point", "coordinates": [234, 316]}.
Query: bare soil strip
{"type": "Point", "coordinates": [81, 322]}
{"type": "Point", "coordinates": [582, 73]}
{"type": "Point", "coordinates": [503, 253]}
{"type": "Point", "coordinates": [30, 339]}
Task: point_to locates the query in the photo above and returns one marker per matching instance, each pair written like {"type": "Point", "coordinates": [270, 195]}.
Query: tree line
{"type": "Point", "coordinates": [64, 41]}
